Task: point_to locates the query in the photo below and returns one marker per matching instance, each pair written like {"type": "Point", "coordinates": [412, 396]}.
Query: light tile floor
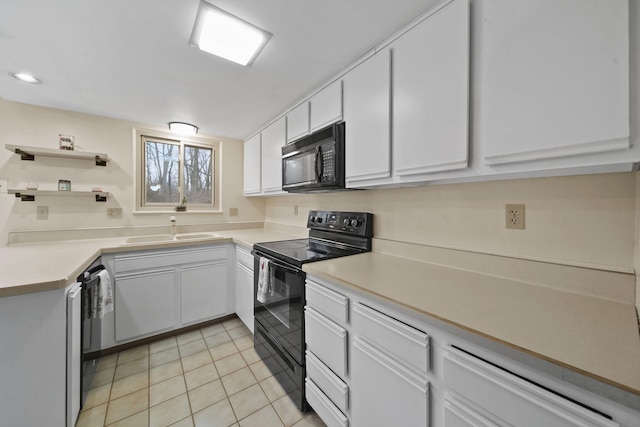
{"type": "Point", "coordinates": [207, 377]}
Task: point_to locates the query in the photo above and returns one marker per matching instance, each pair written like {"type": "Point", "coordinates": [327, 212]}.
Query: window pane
{"type": "Point", "coordinates": [161, 172]}
{"type": "Point", "coordinates": [197, 174]}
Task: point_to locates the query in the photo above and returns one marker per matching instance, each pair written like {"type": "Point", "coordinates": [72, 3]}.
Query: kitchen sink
{"type": "Point", "coordinates": [197, 236]}
{"type": "Point", "coordinates": [159, 238]}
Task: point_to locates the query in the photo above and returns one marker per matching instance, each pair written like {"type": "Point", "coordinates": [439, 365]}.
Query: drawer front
{"type": "Point", "coordinates": [457, 414]}
{"type": "Point", "coordinates": [327, 340]}
{"type": "Point", "coordinates": [244, 257]}
{"type": "Point", "coordinates": [511, 398]}
{"type": "Point", "coordinates": [330, 303]}
{"type": "Point", "coordinates": [143, 261]}
{"type": "Point", "coordinates": [330, 384]}
{"type": "Point", "coordinates": [326, 410]}
{"type": "Point", "coordinates": [404, 342]}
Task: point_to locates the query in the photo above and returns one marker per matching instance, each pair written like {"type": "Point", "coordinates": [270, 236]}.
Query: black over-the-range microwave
{"type": "Point", "coordinates": [315, 163]}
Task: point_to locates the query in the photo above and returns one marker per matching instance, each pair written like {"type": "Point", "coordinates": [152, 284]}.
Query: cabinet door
{"type": "Point", "coordinates": [326, 106]}
{"type": "Point", "coordinates": [244, 295]}
{"type": "Point", "coordinates": [252, 165]}
{"type": "Point", "coordinates": [384, 393]}
{"type": "Point", "coordinates": [144, 303]}
{"type": "Point", "coordinates": [203, 292]}
{"type": "Point", "coordinates": [551, 85]}
{"type": "Point", "coordinates": [367, 116]}
{"type": "Point", "coordinates": [431, 93]}
{"type": "Point", "coordinates": [298, 122]}
{"type": "Point", "coordinates": [273, 139]}
{"type": "Point", "coordinates": [513, 399]}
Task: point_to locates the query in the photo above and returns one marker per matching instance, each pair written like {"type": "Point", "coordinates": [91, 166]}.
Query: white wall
{"type": "Point", "coordinates": [24, 124]}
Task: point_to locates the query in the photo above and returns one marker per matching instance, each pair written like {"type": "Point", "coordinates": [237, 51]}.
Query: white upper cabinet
{"type": "Point", "coordinates": [252, 168]}
{"type": "Point", "coordinates": [554, 79]}
{"type": "Point", "coordinates": [326, 106]}
{"type": "Point", "coordinates": [298, 122]}
{"type": "Point", "coordinates": [367, 116]}
{"type": "Point", "coordinates": [431, 93]}
{"type": "Point", "coordinates": [273, 139]}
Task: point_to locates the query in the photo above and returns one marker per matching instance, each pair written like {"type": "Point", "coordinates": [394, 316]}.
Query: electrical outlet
{"type": "Point", "coordinates": [114, 213]}
{"type": "Point", "coordinates": [233, 211]}
{"type": "Point", "coordinates": [42, 212]}
{"type": "Point", "coordinates": [515, 217]}
{"type": "Point", "coordinates": [295, 210]}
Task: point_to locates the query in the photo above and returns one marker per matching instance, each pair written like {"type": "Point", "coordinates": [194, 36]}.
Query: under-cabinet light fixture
{"type": "Point", "coordinates": [183, 128]}
{"type": "Point", "coordinates": [25, 77]}
{"type": "Point", "coordinates": [227, 36]}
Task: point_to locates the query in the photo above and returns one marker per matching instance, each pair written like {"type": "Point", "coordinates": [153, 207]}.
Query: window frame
{"type": "Point", "coordinates": [140, 138]}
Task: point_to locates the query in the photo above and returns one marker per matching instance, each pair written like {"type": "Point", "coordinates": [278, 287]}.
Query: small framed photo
{"type": "Point", "coordinates": [64, 185]}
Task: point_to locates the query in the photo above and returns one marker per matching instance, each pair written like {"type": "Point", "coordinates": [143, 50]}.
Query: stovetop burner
{"type": "Point", "coordinates": [331, 235]}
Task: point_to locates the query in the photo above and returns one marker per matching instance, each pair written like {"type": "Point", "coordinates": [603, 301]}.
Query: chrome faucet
{"type": "Point", "coordinates": [172, 221]}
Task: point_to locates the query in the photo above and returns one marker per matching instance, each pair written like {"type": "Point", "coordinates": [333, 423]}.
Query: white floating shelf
{"type": "Point", "coordinates": [29, 153]}
{"type": "Point", "coordinates": [30, 195]}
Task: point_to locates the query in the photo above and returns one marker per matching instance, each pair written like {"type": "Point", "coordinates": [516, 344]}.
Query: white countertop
{"type": "Point", "coordinates": [593, 336]}
{"type": "Point", "coordinates": [35, 267]}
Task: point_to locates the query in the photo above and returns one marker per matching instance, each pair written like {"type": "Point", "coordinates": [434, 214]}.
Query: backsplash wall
{"type": "Point", "coordinates": [23, 124]}
{"type": "Point", "coordinates": [581, 220]}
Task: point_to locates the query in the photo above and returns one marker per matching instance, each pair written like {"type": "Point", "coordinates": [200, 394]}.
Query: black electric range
{"type": "Point", "coordinates": [279, 296]}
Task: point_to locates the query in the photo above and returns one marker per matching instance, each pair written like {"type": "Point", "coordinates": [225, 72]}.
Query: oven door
{"type": "Point", "coordinates": [281, 311]}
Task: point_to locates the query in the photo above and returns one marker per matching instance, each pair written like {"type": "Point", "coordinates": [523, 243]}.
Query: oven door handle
{"type": "Point", "coordinates": [279, 265]}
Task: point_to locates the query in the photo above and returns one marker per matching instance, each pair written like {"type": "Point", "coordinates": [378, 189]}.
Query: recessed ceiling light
{"type": "Point", "coordinates": [225, 35]}
{"type": "Point", "coordinates": [183, 128]}
{"type": "Point", "coordinates": [25, 77]}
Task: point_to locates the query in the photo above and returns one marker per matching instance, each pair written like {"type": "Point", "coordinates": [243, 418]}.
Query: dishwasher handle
{"type": "Point", "coordinates": [84, 277]}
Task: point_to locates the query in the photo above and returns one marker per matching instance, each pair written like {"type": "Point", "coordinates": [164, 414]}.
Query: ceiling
{"type": "Point", "coordinates": [131, 59]}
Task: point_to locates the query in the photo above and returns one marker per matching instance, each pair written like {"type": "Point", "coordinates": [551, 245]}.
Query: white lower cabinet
{"type": "Point", "coordinates": [327, 340]}
{"type": "Point", "coordinates": [160, 290]}
{"type": "Point", "coordinates": [33, 354]}
{"type": "Point", "coordinates": [244, 286]}
{"type": "Point", "coordinates": [403, 368]}
{"type": "Point", "coordinates": [327, 411]}
{"type": "Point", "coordinates": [511, 399]}
{"type": "Point", "coordinates": [458, 414]}
{"type": "Point", "coordinates": [384, 392]}
{"type": "Point", "coordinates": [144, 303]}
{"type": "Point", "coordinates": [203, 292]}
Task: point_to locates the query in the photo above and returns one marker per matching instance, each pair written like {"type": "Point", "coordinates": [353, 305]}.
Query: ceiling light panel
{"type": "Point", "coordinates": [227, 36]}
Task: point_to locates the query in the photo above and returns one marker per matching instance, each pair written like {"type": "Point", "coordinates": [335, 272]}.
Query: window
{"type": "Point", "coordinates": [172, 169]}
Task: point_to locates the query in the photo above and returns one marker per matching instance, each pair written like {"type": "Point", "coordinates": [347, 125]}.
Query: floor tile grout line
{"type": "Point", "coordinates": [181, 358]}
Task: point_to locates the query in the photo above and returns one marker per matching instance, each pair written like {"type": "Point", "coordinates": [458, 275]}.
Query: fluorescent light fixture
{"type": "Point", "coordinates": [25, 78]}
{"type": "Point", "coordinates": [225, 35]}
{"type": "Point", "coordinates": [183, 128]}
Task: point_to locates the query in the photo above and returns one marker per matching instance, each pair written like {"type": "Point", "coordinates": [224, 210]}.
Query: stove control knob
{"type": "Point", "coordinates": [355, 223]}
{"type": "Point", "coordinates": [318, 220]}
{"type": "Point", "coordinates": [346, 222]}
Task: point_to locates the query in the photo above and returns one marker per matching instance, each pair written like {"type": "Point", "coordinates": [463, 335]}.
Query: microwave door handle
{"type": "Point", "coordinates": [318, 164]}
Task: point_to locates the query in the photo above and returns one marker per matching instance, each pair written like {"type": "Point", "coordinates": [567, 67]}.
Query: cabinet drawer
{"type": "Point", "coordinates": [402, 341]}
{"type": "Point", "coordinates": [335, 389]}
{"type": "Point", "coordinates": [326, 340]}
{"type": "Point", "coordinates": [512, 399]}
{"type": "Point", "coordinates": [143, 261]}
{"type": "Point", "coordinates": [244, 256]}
{"type": "Point", "coordinates": [326, 410]}
{"type": "Point", "coordinates": [327, 302]}
{"type": "Point", "coordinates": [457, 414]}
